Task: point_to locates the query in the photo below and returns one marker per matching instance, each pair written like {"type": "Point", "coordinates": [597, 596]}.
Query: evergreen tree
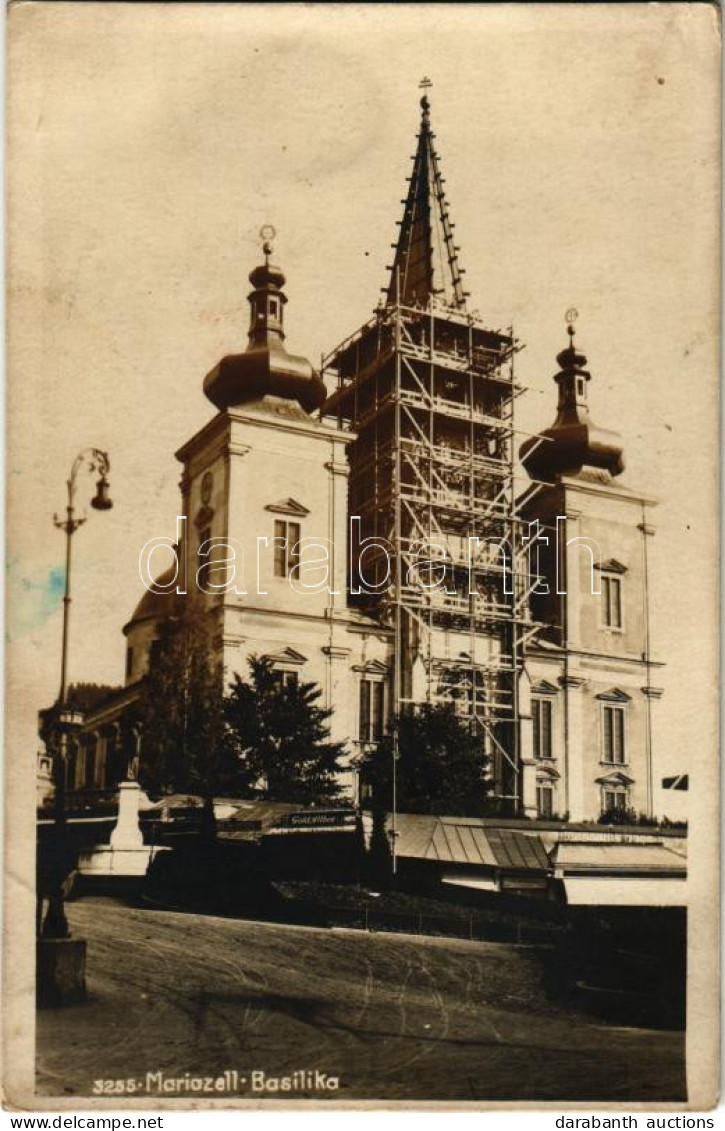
{"type": "Point", "coordinates": [281, 737]}
{"type": "Point", "coordinates": [440, 765]}
{"type": "Point", "coordinates": [181, 710]}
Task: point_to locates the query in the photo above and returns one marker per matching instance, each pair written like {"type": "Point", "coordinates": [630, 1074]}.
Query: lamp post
{"type": "Point", "coordinates": [93, 460]}
{"type": "Point", "coordinates": [393, 833]}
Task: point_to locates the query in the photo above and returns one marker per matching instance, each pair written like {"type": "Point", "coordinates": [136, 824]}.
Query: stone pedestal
{"type": "Point", "coordinates": [61, 971]}
{"type": "Point", "coordinates": [127, 833]}
{"type": "Point", "coordinates": [126, 855]}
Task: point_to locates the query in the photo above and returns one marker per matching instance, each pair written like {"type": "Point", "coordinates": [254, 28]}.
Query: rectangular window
{"type": "Point", "coordinates": [129, 662]}
{"type": "Point", "coordinates": [155, 653]}
{"type": "Point", "coordinates": [614, 735]}
{"type": "Point", "coordinates": [612, 601]}
{"type": "Point", "coordinates": [615, 800]}
{"type": "Point", "coordinates": [286, 547]}
{"type": "Point", "coordinates": [545, 799]}
{"type": "Point", "coordinates": [283, 680]}
{"type": "Point", "coordinates": [372, 706]}
{"type": "Point", "coordinates": [541, 711]}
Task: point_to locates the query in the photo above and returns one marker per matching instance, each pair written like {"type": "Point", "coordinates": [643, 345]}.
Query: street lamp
{"type": "Point", "coordinates": [65, 719]}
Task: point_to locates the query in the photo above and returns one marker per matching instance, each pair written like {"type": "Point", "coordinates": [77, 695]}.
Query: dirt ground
{"type": "Point", "coordinates": [391, 1017]}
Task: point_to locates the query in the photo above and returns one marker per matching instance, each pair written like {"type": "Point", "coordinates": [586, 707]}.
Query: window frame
{"type": "Point", "coordinates": [616, 791]}
{"type": "Point", "coordinates": [374, 690]}
{"type": "Point", "coordinates": [621, 710]}
{"type": "Point", "coordinates": [549, 787]}
{"type": "Point", "coordinates": [607, 579]}
{"type": "Point", "coordinates": [285, 677]}
{"type": "Point", "coordinates": [537, 701]}
{"type": "Point", "coordinates": [286, 556]}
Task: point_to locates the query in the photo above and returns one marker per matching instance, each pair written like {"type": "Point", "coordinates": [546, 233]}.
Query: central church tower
{"type": "Point", "coordinates": [429, 392]}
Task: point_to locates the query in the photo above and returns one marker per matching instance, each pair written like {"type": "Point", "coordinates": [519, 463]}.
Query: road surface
{"type": "Point", "coordinates": [388, 1017]}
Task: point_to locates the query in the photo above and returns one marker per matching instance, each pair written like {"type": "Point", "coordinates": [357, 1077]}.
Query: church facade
{"type": "Point", "coordinates": [383, 546]}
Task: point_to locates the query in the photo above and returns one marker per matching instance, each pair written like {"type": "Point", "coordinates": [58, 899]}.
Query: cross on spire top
{"type": "Point", "coordinates": [426, 265]}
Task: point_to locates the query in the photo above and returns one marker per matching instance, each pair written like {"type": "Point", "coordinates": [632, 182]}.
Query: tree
{"type": "Point", "coordinates": [281, 736]}
{"type": "Point", "coordinates": [181, 710]}
{"type": "Point", "coordinates": [440, 765]}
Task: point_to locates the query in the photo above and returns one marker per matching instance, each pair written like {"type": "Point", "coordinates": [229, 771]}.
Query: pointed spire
{"type": "Point", "coordinates": [426, 258]}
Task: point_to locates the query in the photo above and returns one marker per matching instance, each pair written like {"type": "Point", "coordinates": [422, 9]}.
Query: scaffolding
{"type": "Point", "coordinates": [430, 394]}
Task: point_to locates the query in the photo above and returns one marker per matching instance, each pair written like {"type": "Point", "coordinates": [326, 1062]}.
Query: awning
{"type": "Point", "coordinates": [625, 891]}
{"type": "Point", "coordinates": [469, 841]}
{"type": "Point", "coordinates": [614, 859]}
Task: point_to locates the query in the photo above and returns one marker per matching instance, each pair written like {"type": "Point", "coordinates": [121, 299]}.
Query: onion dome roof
{"type": "Point", "coordinates": [574, 441]}
{"type": "Point", "coordinates": [265, 368]}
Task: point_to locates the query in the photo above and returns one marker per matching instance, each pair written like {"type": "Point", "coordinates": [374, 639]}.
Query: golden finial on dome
{"type": "Point", "coordinates": [267, 233]}
{"type": "Point", "coordinates": [571, 316]}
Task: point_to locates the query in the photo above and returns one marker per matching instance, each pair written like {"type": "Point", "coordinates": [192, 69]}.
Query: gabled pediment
{"type": "Point", "coordinates": [546, 773]}
{"type": "Point", "coordinates": [615, 779]}
{"type": "Point", "coordinates": [372, 667]}
{"type": "Point", "coordinates": [615, 695]}
{"type": "Point", "coordinates": [286, 656]}
{"type": "Point", "coordinates": [288, 506]}
{"type": "Point", "coordinates": [611, 566]}
{"type": "Point", "coordinates": [543, 687]}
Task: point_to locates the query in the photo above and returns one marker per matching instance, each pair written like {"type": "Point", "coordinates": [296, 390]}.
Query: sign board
{"type": "Point", "coordinates": [322, 819]}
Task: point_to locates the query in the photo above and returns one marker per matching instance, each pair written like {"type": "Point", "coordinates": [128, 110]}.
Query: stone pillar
{"type": "Point", "coordinates": [572, 587]}
{"type": "Point", "coordinates": [527, 762]}
{"type": "Point", "coordinates": [99, 763]}
{"type": "Point", "coordinates": [651, 694]}
{"type": "Point", "coordinates": [575, 754]}
{"type": "Point", "coordinates": [337, 531]}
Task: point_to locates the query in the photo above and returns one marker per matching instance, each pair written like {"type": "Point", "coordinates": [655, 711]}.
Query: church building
{"type": "Point", "coordinates": [391, 547]}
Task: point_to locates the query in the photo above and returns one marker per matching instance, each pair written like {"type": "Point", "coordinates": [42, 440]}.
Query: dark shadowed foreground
{"type": "Point", "coordinates": [394, 1017]}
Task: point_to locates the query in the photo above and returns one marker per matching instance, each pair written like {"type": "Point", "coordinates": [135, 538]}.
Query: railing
{"type": "Point", "coordinates": [472, 926]}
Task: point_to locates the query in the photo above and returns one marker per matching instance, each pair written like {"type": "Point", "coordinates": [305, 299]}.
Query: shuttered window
{"type": "Point", "coordinates": [612, 601]}
{"type": "Point", "coordinates": [614, 735]}
{"type": "Point", "coordinates": [372, 707]}
{"type": "Point", "coordinates": [286, 547]}
{"type": "Point", "coordinates": [541, 711]}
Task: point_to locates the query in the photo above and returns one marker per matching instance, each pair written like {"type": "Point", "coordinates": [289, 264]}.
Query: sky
{"type": "Point", "coordinates": [148, 144]}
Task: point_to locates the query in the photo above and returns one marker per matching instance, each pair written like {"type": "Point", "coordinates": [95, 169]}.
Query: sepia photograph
{"type": "Point", "coordinates": [362, 451]}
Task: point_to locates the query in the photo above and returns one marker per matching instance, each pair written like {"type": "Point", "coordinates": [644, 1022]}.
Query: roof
{"type": "Point", "coordinates": [468, 840]}
{"type": "Point", "coordinates": [158, 605]}
{"type": "Point", "coordinates": [617, 858]}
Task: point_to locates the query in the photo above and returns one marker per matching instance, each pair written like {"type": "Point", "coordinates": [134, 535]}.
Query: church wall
{"type": "Point", "coordinates": [600, 666]}
{"type": "Point", "coordinates": [611, 521]}
{"type": "Point", "coordinates": [140, 635]}
{"type": "Point", "coordinates": [303, 645]}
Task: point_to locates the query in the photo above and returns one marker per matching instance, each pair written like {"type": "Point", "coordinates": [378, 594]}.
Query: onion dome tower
{"type": "Point", "coordinates": [574, 441]}
{"type": "Point", "coordinates": [265, 368]}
